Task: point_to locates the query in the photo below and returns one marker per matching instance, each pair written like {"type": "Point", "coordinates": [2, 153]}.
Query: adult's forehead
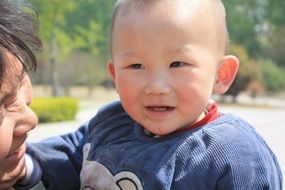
{"type": "Point", "coordinates": [12, 75]}
{"type": "Point", "coordinates": [14, 67]}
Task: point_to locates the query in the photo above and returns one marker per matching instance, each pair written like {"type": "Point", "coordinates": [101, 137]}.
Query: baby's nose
{"type": "Point", "coordinates": [158, 85]}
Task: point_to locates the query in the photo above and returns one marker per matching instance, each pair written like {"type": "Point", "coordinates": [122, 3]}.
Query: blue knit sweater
{"type": "Point", "coordinates": [113, 152]}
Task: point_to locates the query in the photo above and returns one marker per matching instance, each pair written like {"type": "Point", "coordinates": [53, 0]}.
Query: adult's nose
{"type": "Point", "coordinates": [26, 122]}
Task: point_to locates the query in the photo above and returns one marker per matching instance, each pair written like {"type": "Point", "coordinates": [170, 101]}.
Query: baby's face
{"type": "Point", "coordinates": [165, 62]}
{"type": "Point", "coordinates": [16, 118]}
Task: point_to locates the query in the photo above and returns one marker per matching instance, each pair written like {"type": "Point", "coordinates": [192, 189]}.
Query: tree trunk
{"type": "Point", "coordinates": [53, 63]}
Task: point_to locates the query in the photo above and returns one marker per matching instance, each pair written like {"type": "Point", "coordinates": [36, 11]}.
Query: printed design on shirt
{"type": "Point", "coordinates": [96, 176]}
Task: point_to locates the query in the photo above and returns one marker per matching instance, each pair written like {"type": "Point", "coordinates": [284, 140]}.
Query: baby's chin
{"type": "Point", "coordinates": [160, 130]}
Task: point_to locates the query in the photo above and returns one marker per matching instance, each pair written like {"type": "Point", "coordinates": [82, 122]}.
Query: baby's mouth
{"type": "Point", "coordinates": [160, 108]}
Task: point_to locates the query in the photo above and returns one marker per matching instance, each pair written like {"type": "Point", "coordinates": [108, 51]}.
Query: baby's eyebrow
{"type": "Point", "coordinates": [129, 54]}
{"type": "Point", "coordinates": [183, 49]}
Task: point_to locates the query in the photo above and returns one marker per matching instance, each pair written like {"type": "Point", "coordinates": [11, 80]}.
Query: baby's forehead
{"type": "Point", "coordinates": [207, 12]}
{"type": "Point", "coordinates": [208, 15]}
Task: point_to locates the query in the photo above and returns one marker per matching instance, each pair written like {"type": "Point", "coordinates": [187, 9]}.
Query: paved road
{"type": "Point", "coordinates": [270, 123]}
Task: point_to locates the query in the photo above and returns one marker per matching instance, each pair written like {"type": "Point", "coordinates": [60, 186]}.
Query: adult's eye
{"type": "Point", "coordinates": [10, 101]}
{"type": "Point", "coordinates": [136, 66]}
{"type": "Point", "coordinates": [177, 64]}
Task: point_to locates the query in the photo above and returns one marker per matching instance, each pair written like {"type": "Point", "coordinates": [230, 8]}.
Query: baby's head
{"type": "Point", "coordinates": [168, 57]}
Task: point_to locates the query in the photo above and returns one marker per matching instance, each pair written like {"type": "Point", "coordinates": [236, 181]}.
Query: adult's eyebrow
{"type": "Point", "coordinates": [2, 98]}
{"type": "Point", "coordinates": [5, 94]}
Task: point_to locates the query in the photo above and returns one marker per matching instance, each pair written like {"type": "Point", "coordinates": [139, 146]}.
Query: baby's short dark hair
{"type": "Point", "coordinates": [18, 35]}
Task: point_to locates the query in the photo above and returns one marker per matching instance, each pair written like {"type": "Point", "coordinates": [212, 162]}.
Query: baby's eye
{"type": "Point", "coordinates": [177, 64]}
{"type": "Point", "coordinates": [136, 66]}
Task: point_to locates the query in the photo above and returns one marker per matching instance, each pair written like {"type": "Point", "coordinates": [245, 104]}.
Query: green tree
{"type": "Point", "coordinates": [276, 46]}
{"type": "Point", "coordinates": [255, 23]}
{"type": "Point", "coordinates": [245, 20]}
{"type": "Point", "coordinates": [275, 28]}
{"type": "Point", "coordinates": [89, 23]}
{"type": "Point", "coordinates": [272, 77]}
{"type": "Point", "coordinates": [56, 42]}
{"type": "Point", "coordinates": [275, 12]}
{"type": "Point", "coordinates": [259, 26]}
{"type": "Point", "coordinates": [68, 26]}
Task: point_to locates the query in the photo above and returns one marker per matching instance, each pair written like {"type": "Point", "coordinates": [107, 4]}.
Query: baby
{"type": "Point", "coordinates": [168, 58]}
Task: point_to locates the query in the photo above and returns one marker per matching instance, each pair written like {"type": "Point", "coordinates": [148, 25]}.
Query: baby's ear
{"type": "Point", "coordinates": [111, 69]}
{"type": "Point", "coordinates": [227, 71]}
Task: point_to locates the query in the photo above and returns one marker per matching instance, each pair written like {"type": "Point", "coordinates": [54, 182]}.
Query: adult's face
{"type": "Point", "coordinates": [16, 118]}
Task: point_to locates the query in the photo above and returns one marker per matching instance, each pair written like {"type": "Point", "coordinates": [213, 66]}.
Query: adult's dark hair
{"type": "Point", "coordinates": [18, 35]}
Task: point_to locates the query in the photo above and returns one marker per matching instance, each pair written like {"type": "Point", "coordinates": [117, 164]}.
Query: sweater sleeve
{"type": "Point", "coordinates": [244, 160]}
{"type": "Point", "coordinates": [228, 154]}
{"type": "Point", "coordinates": [60, 159]}
{"type": "Point", "coordinates": [33, 175]}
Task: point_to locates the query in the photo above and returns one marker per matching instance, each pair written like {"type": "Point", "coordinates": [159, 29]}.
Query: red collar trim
{"type": "Point", "coordinates": [210, 116]}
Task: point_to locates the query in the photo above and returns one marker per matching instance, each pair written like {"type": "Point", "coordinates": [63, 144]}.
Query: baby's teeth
{"type": "Point", "coordinates": [159, 108]}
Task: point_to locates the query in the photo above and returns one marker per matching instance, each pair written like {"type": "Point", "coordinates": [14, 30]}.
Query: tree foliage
{"type": "Point", "coordinates": [68, 26]}
{"type": "Point", "coordinates": [273, 77]}
{"type": "Point", "coordinates": [276, 47]}
{"type": "Point", "coordinates": [90, 23]}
